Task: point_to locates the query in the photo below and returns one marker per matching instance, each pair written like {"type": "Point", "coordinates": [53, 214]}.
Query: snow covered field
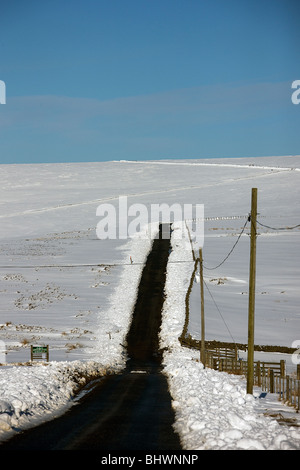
{"type": "Point", "coordinates": [62, 286]}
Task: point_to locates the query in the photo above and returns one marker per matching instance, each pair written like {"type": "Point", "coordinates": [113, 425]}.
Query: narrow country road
{"type": "Point", "coordinates": [128, 411]}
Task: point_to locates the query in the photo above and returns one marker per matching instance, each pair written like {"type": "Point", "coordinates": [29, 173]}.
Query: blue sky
{"type": "Point", "coordinates": [98, 80]}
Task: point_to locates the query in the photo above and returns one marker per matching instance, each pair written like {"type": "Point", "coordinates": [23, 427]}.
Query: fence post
{"type": "Point", "coordinates": [282, 380]}
{"type": "Point", "coordinates": [282, 368]}
{"type": "Point", "coordinates": [258, 373]}
{"type": "Point", "coordinates": [271, 381]}
{"type": "Point", "coordinates": [287, 388]}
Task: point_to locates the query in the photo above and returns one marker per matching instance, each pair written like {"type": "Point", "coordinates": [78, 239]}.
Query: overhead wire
{"type": "Point", "coordinates": [219, 311]}
{"type": "Point", "coordinates": [278, 228]}
{"type": "Point", "coordinates": [232, 249]}
{"type": "Point", "coordinates": [96, 265]}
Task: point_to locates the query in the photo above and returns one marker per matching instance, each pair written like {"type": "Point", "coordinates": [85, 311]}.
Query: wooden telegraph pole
{"type": "Point", "coordinates": [202, 351]}
{"type": "Point", "coordinates": [251, 306]}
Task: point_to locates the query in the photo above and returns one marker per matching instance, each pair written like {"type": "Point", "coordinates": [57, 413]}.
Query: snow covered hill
{"type": "Point", "coordinates": [60, 285]}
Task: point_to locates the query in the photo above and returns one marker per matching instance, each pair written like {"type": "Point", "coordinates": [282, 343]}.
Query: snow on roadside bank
{"type": "Point", "coordinates": [213, 410]}
{"type": "Point", "coordinates": [33, 394]}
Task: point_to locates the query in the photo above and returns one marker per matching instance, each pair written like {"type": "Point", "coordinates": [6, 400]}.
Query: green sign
{"type": "Point", "coordinates": [40, 349]}
{"type": "Point", "coordinates": [40, 352]}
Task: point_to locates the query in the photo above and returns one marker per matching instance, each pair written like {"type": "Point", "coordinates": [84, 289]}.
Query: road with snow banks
{"type": "Point", "coordinates": [127, 411]}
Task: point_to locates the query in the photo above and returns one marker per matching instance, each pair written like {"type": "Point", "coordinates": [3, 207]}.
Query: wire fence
{"type": "Point", "coordinates": [269, 376]}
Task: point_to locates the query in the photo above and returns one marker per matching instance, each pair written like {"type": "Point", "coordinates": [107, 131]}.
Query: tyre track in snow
{"type": "Point", "coordinates": [127, 411]}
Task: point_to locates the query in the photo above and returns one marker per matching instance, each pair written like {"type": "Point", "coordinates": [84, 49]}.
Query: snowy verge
{"type": "Point", "coordinates": [33, 394]}
{"type": "Point", "coordinates": [212, 409]}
